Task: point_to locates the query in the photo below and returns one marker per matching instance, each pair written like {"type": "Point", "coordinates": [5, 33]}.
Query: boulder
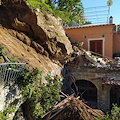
{"type": "Point", "coordinates": [44, 29]}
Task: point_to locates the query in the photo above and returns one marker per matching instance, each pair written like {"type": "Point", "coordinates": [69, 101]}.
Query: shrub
{"type": "Point", "coordinates": [40, 96]}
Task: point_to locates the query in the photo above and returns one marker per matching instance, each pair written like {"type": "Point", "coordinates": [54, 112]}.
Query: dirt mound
{"type": "Point", "coordinates": [24, 53]}
{"type": "Point", "coordinates": [31, 36]}
{"type": "Point", "coordinates": [44, 29]}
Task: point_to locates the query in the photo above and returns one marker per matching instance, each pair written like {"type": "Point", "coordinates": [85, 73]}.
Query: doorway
{"type": "Point", "coordinates": [96, 46]}
{"type": "Point", "coordinates": [115, 96]}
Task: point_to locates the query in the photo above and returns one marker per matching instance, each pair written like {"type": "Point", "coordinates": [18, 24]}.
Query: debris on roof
{"type": "Point", "coordinates": [102, 62]}
{"type": "Point", "coordinates": [111, 80]}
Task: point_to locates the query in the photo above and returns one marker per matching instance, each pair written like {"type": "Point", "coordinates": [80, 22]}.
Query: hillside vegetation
{"type": "Point", "coordinates": [68, 10]}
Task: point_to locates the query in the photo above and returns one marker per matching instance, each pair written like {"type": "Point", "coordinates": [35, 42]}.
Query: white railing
{"type": "Point", "coordinates": [10, 71]}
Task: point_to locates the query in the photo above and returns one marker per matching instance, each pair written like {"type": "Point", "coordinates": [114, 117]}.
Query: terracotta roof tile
{"type": "Point", "coordinates": [90, 25]}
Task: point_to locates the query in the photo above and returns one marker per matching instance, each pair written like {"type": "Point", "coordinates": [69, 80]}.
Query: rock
{"type": "Point", "coordinates": [76, 49]}
{"type": "Point", "coordinates": [21, 26]}
{"type": "Point", "coordinates": [58, 44]}
{"type": "Point", "coordinates": [20, 36]}
{"type": "Point", "coordinates": [27, 40]}
{"type": "Point", "coordinates": [46, 53]}
{"type": "Point", "coordinates": [37, 47]}
{"type": "Point", "coordinates": [45, 29]}
{"type": "Point", "coordinates": [16, 49]}
{"type": "Point", "coordinates": [2, 59]}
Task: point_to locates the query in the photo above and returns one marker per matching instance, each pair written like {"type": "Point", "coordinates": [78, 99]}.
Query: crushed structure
{"type": "Point", "coordinates": [96, 82]}
{"type": "Point", "coordinates": [72, 108]}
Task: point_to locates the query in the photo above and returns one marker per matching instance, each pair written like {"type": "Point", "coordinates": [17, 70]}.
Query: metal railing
{"type": "Point", "coordinates": [11, 71]}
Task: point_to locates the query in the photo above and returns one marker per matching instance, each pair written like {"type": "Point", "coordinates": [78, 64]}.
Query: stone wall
{"type": "Point", "coordinates": [94, 75]}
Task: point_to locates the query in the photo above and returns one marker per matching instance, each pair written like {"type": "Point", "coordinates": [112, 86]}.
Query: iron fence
{"type": "Point", "coordinates": [11, 71]}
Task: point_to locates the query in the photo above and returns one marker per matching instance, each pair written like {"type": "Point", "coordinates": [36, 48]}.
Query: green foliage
{"type": "Point", "coordinates": [4, 114]}
{"type": "Point", "coordinates": [94, 56]}
{"type": "Point", "coordinates": [41, 96]}
{"type": "Point", "coordinates": [67, 10]}
{"type": "Point", "coordinates": [1, 49]}
{"type": "Point", "coordinates": [41, 5]}
{"type": "Point", "coordinates": [18, 114]}
{"type": "Point", "coordinates": [13, 61]}
{"type": "Point", "coordinates": [73, 8]}
{"type": "Point", "coordinates": [34, 3]}
{"type": "Point", "coordinates": [87, 22]}
{"type": "Point", "coordinates": [115, 114]}
{"type": "Point", "coordinates": [116, 55]}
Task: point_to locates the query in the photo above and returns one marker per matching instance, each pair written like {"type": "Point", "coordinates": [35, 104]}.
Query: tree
{"type": "Point", "coordinates": [39, 97]}
{"type": "Point", "coordinates": [86, 22]}
{"type": "Point", "coordinates": [69, 10]}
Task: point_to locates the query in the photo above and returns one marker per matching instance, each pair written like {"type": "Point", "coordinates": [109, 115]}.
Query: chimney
{"type": "Point", "coordinates": [111, 20]}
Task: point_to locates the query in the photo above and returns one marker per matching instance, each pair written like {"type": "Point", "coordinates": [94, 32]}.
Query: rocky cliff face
{"type": "Point", "coordinates": [31, 36]}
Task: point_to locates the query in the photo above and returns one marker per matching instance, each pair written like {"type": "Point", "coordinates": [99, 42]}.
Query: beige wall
{"type": "Point", "coordinates": [116, 43]}
{"type": "Point", "coordinates": [79, 34]}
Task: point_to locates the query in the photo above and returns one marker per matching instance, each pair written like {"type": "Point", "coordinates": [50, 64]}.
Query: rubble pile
{"type": "Point", "coordinates": [71, 108]}
{"type": "Point", "coordinates": [102, 62]}
{"type": "Point", "coordinates": [111, 80]}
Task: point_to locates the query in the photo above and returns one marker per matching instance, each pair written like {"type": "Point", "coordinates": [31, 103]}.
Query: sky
{"type": "Point", "coordinates": [114, 9]}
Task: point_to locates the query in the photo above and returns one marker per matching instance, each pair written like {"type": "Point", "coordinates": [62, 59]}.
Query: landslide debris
{"type": "Point", "coordinates": [31, 36]}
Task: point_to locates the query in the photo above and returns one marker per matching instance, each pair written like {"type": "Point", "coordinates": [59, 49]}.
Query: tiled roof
{"type": "Point", "coordinates": [89, 25]}
{"type": "Point", "coordinates": [111, 80]}
{"type": "Point", "coordinates": [112, 83]}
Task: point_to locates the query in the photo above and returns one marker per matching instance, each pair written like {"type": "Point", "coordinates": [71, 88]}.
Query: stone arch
{"type": "Point", "coordinates": [87, 92]}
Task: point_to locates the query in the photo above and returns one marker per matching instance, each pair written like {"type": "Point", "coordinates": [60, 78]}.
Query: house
{"type": "Point", "coordinates": [97, 86]}
{"type": "Point", "coordinates": [103, 39]}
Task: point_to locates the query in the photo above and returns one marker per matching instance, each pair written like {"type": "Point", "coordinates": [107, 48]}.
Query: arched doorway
{"type": "Point", "coordinates": [87, 92]}
{"type": "Point", "coordinates": [115, 96]}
